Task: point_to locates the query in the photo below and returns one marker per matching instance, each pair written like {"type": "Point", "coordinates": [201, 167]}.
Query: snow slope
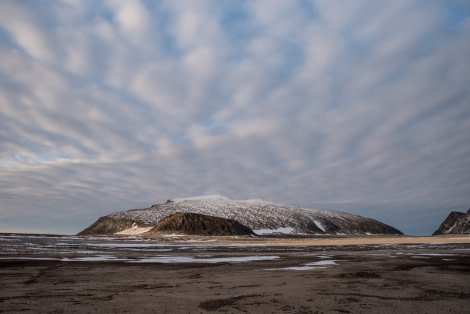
{"type": "Point", "coordinates": [261, 216]}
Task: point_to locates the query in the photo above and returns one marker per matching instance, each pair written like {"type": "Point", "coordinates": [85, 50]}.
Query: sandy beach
{"type": "Point", "coordinates": [236, 275]}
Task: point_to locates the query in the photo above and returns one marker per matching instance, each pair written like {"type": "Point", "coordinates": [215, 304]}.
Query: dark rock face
{"type": "Point", "coordinates": [107, 226]}
{"type": "Point", "coordinates": [197, 224]}
{"type": "Point", "coordinates": [455, 223]}
{"type": "Point", "coordinates": [372, 226]}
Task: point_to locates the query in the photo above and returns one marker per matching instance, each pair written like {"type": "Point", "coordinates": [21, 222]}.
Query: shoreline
{"type": "Point", "coordinates": [296, 240]}
{"type": "Point", "coordinates": [187, 274]}
{"type": "Point", "coordinates": [305, 241]}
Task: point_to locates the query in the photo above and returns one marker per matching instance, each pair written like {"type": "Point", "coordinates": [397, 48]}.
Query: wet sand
{"type": "Point", "coordinates": [359, 275]}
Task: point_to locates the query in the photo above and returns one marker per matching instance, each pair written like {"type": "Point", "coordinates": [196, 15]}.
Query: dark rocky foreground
{"type": "Point", "coordinates": [234, 276]}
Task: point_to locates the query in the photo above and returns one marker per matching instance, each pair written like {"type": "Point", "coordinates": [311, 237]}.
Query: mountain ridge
{"type": "Point", "coordinates": [263, 217]}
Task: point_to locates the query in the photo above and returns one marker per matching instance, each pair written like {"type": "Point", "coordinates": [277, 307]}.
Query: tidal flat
{"type": "Point", "coordinates": [188, 274]}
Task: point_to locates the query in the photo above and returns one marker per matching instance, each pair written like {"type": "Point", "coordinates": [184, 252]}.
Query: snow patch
{"type": "Point", "coordinates": [100, 258]}
{"type": "Point", "coordinates": [135, 229]}
{"type": "Point", "coordinates": [164, 259]}
{"type": "Point", "coordinates": [189, 259]}
{"type": "Point", "coordinates": [433, 254]}
{"type": "Point", "coordinates": [319, 225]}
{"type": "Point", "coordinates": [199, 198]}
{"type": "Point", "coordinates": [310, 266]}
{"type": "Point", "coordinates": [284, 230]}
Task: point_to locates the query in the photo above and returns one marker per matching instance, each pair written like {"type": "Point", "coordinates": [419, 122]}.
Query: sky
{"type": "Point", "coordinates": [359, 106]}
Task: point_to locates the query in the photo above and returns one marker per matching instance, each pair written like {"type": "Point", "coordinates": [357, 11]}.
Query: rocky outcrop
{"type": "Point", "coordinates": [107, 225]}
{"type": "Point", "coordinates": [455, 223]}
{"type": "Point", "coordinates": [264, 218]}
{"type": "Point", "coordinates": [197, 224]}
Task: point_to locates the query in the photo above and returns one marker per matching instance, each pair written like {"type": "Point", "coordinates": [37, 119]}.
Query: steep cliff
{"type": "Point", "coordinates": [455, 223]}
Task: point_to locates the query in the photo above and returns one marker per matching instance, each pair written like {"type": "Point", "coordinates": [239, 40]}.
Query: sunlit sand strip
{"type": "Point", "coordinates": [369, 240]}
{"type": "Point", "coordinates": [382, 240]}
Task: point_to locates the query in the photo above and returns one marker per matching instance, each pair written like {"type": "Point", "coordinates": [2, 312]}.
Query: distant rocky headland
{"type": "Point", "coordinates": [455, 223]}
{"type": "Point", "coordinates": [217, 215]}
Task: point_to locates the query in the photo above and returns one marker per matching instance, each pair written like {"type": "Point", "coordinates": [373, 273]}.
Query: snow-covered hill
{"type": "Point", "coordinates": [261, 216]}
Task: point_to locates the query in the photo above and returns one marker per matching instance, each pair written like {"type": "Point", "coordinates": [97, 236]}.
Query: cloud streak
{"type": "Point", "coordinates": [357, 106]}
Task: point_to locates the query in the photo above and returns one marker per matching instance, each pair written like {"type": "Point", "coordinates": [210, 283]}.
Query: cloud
{"type": "Point", "coordinates": [26, 29]}
{"type": "Point", "coordinates": [356, 106]}
{"type": "Point", "coordinates": [132, 16]}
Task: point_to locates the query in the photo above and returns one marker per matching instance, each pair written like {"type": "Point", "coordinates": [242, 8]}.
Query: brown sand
{"type": "Point", "coordinates": [328, 240]}
{"type": "Point", "coordinates": [368, 278]}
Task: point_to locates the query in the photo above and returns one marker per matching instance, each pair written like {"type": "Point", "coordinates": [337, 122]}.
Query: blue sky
{"type": "Point", "coordinates": [359, 106]}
